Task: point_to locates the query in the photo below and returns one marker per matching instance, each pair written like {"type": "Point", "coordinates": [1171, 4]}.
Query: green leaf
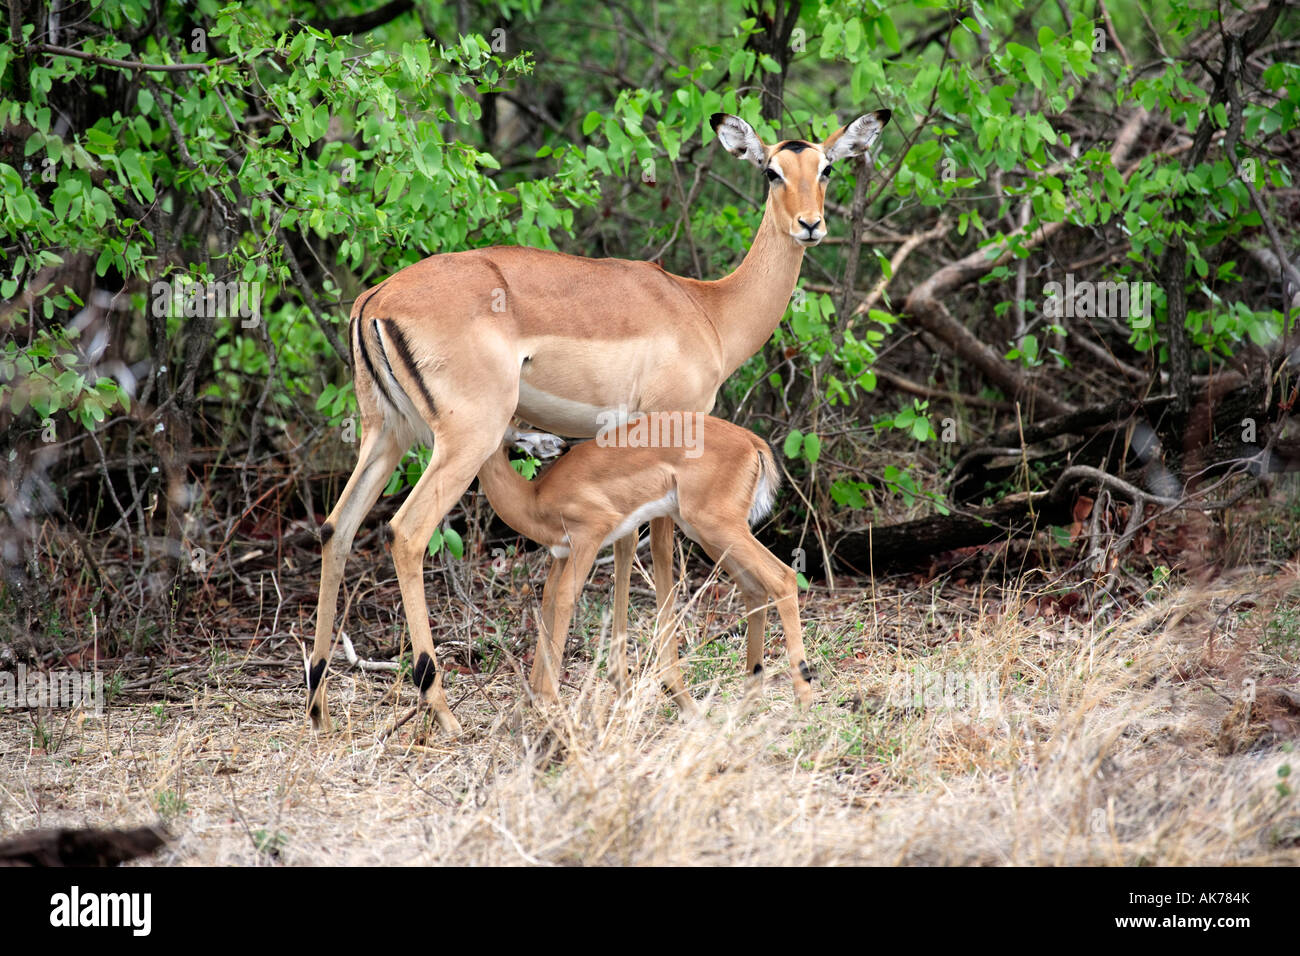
{"type": "Point", "coordinates": [1033, 69]}
{"type": "Point", "coordinates": [889, 33]}
{"type": "Point", "coordinates": [21, 206]}
{"type": "Point", "coordinates": [793, 443]}
{"type": "Point", "coordinates": [852, 36]}
{"type": "Point", "coordinates": [326, 396]}
{"type": "Point", "coordinates": [100, 142]}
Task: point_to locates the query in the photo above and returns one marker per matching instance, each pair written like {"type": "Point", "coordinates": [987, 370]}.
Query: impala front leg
{"type": "Point", "coordinates": [624, 553]}
{"type": "Point", "coordinates": [566, 586]}
{"type": "Point", "coordinates": [543, 678]}
{"type": "Point", "coordinates": [670, 672]}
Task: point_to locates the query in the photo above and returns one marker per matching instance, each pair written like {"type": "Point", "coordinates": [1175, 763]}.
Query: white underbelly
{"type": "Point", "coordinates": [556, 414]}
{"type": "Point", "coordinates": [659, 508]}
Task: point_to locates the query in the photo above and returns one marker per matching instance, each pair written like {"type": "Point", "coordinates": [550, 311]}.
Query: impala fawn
{"type": "Point", "coordinates": [713, 488]}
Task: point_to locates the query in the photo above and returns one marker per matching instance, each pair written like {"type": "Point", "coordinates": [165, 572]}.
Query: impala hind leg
{"type": "Point", "coordinates": [378, 456]}
{"type": "Point", "coordinates": [754, 563]}
{"type": "Point", "coordinates": [670, 670]}
{"type": "Point", "coordinates": [461, 445]}
{"type": "Point", "coordinates": [762, 577]}
{"type": "Point", "coordinates": [755, 628]}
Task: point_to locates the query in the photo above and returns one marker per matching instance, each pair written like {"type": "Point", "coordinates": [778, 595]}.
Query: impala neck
{"type": "Point", "coordinates": [514, 499]}
{"type": "Point", "coordinates": [749, 303]}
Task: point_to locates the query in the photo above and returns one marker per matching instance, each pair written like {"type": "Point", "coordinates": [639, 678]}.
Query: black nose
{"type": "Point", "coordinates": [810, 226]}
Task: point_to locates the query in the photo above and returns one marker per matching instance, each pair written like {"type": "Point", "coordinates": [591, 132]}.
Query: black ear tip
{"type": "Point", "coordinates": [716, 120]}
{"type": "Point", "coordinates": [884, 116]}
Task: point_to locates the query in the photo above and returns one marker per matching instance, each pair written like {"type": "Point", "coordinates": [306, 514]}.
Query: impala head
{"type": "Point", "coordinates": [798, 171]}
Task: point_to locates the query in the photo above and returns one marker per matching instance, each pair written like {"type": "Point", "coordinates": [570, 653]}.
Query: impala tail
{"type": "Point", "coordinates": [765, 488]}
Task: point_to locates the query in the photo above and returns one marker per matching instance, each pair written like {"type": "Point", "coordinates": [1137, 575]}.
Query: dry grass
{"type": "Point", "coordinates": [1123, 745]}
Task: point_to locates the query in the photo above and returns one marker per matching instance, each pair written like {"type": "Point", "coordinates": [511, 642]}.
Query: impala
{"type": "Point", "coordinates": [447, 350]}
{"type": "Point", "coordinates": [713, 488]}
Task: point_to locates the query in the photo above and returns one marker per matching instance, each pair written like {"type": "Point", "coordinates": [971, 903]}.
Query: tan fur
{"type": "Point", "coordinates": [581, 501]}
{"type": "Point", "coordinates": [461, 342]}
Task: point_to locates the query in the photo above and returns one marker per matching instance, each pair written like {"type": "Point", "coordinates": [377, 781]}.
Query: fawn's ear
{"type": "Point", "coordinates": [541, 445]}
{"type": "Point", "coordinates": [857, 137]}
{"type": "Point", "coordinates": [739, 139]}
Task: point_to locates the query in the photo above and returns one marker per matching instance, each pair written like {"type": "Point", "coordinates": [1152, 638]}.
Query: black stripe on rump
{"type": "Point", "coordinates": [365, 353]}
{"type": "Point", "coordinates": [388, 366]}
{"type": "Point", "coordinates": [405, 356]}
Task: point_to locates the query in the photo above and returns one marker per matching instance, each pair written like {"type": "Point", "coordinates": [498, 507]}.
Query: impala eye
{"type": "Point", "coordinates": [826, 173]}
{"type": "Point", "coordinates": [772, 175]}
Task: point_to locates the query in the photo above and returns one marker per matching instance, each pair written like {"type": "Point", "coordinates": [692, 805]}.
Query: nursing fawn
{"type": "Point", "coordinates": [712, 478]}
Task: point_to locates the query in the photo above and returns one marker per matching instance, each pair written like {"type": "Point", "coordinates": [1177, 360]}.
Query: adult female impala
{"type": "Point", "coordinates": [449, 349]}
{"type": "Point", "coordinates": [713, 488]}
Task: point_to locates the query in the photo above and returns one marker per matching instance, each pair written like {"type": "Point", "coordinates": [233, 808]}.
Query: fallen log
{"type": "Point", "coordinates": [890, 547]}
{"type": "Point", "coordinates": [1127, 434]}
{"type": "Point", "coordinates": [80, 847]}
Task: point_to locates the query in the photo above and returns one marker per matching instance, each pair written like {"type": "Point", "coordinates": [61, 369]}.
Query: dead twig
{"type": "Point", "coordinates": [350, 653]}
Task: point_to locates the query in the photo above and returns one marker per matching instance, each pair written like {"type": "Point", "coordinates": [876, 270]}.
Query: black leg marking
{"type": "Point", "coordinates": [315, 675]}
{"type": "Point", "coordinates": [326, 532]}
{"type": "Point", "coordinates": [758, 668]}
{"type": "Point", "coordinates": [424, 672]}
{"type": "Point", "coordinates": [805, 672]}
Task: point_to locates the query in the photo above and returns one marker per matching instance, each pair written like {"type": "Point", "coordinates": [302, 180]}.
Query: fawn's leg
{"type": "Point", "coordinates": [624, 551]}
{"type": "Point", "coordinates": [670, 672]}
{"type": "Point", "coordinates": [758, 570]}
{"type": "Point", "coordinates": [543, 678]}
{"type": "Point", "coordinates": [567, 585]}
{"type": "Point", "coordinates": [755, 628]}
{"type": "Point", "coordinates": [782, 586]}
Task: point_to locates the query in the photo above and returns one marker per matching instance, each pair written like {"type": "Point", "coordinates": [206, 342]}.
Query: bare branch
{"type": "Point", "coordinates": [129, 64]}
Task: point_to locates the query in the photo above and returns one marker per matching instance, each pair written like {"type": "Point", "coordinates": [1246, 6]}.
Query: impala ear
{"type": "Point", "coordinates": [854, 139]}
{"type": "Point", "coordinates": [738, 138]}
{"type": "Point", "coordinates": [541, 445]}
